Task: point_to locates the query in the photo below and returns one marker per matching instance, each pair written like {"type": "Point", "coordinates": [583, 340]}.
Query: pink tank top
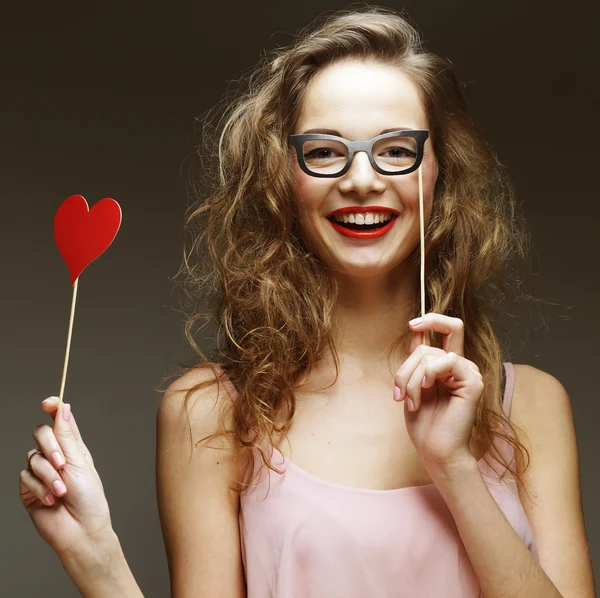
{"type": "Point", "coordinates": [311, 538]}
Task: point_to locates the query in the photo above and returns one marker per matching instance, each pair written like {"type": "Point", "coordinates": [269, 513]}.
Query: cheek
{"type": "Point", "coordinates": [310, 191]}
{"type": "Point", "coordinates": [408, 187]}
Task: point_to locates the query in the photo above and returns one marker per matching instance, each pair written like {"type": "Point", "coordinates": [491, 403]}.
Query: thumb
{"type": "Point", "coordinates": [420, 337]}
{"type": "Point", "coordinates": [65, 434]}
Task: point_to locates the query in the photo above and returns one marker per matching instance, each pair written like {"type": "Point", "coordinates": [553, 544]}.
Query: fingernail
{"type": "Point", "coordinates": [67, 411]}
{"type": "Point", "coordinates": [396, 393]}
{"type": "Point", "coordinates": [48, 400]}
{"type": "Point", "coordinates": [59, 487]}
{"type": "Point", "coordinates": [57, 459]}
{"type": "Point", "coordinates": [416, 321]}
{"type": "Point", "coordinates": [411, 405]}
{"type": "Point", "coordinates": [49, 499]}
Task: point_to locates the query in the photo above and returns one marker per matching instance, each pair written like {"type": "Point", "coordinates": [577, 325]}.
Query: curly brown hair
{"type": "Point", "coordinates": [250, 271]}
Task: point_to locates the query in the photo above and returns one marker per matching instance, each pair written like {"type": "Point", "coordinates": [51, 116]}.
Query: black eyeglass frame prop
{"type": "Point", "coordinates": [420, 136]}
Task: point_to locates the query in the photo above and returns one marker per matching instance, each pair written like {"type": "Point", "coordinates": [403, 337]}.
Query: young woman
{"type": "Point", "coordinates": [403, 471]}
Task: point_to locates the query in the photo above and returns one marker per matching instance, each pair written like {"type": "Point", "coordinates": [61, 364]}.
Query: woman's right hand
{"type": "Point", "coordinates": [77, 524]}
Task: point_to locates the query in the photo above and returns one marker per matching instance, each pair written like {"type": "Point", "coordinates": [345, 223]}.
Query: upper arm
{"type": "Point", "coordinates": [543, 411]}
{"type": "Point", "coordinates": [198, 512]}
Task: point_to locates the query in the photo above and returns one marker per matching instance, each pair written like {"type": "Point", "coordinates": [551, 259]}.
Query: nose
{"type": "Point", "coordinates": [361, 175]}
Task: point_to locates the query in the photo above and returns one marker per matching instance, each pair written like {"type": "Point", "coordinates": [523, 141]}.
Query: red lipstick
{"type": "Point", "coordinates": [362, 210]}
{"type": "Point", "coordinates": [362, 234]}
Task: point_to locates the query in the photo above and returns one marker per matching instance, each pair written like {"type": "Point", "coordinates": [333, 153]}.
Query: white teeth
{"type": "Point", "coordinates": [370, 218]}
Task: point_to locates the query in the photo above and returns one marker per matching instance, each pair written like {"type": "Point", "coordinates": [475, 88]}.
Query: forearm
{"type": "Point", "coordinates": [502, 563]}
{"type": "Point", "coordinates": [103, 573]}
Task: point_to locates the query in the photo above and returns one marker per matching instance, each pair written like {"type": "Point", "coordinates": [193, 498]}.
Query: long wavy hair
{"type": "Point", "coordinates": [250, 271]}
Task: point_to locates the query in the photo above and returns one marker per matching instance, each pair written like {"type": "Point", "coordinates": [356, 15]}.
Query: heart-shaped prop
{"type": "Point", "coordinates": [82, 234]}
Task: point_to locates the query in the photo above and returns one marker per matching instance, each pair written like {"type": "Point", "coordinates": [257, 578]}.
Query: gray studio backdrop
{"type": "Point", "coordinates": [101, 102]}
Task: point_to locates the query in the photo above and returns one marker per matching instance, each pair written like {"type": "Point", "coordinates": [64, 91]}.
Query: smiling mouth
{"type": "Point", "coordinates": [363, 227]}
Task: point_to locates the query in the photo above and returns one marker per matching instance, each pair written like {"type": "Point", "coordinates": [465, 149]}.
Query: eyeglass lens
{"type": "Point", "coordinates": [391, 154]}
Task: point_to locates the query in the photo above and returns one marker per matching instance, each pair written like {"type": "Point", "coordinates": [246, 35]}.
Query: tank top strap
{"type": "Point", "coordinates": [509, 379]}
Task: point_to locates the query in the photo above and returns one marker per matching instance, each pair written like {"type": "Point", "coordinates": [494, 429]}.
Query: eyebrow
{"type": "Point", "coordinates": [334, 132]}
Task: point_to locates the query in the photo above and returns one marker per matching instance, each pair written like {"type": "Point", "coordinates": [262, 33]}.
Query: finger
{"type": "Point", "coordinates": [48, 476]}
{"type": "Point", "coordinates": [419, 338]}
{"type": "Point", "coordinates": [413, 384]}
{"type": "Point", "coordinates": [47, 443]}
{"type": "Point", "coordinates": [50, 406]}
{"type": "Point", "coordinates": [452, 329]}
{"type": "Point", "coordinates": [407, 369]}
{"type": "Point", "coordinates": [31, 485]}
{"type": "Point", "coordinates": [441, 369]}
{"type": "Point", "coordinates": [69, 441]}
{"type": "Point", "coordinates": [428, 371]}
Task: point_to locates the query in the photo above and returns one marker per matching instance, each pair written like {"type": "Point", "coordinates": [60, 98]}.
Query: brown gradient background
{"type": "Point", "coordinates": [101, 101]}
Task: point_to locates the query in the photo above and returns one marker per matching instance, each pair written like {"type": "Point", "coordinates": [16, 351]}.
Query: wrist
{"type": "Point", "coordinates": [452, 469]}
{"type": "Point", "coordinates": [94, 555]}
{"type": "Point", "coordinates": [100, 569]}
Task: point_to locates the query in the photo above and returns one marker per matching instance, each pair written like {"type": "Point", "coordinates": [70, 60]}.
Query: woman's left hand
{"type": "Point", "coordinates": [445, 388]}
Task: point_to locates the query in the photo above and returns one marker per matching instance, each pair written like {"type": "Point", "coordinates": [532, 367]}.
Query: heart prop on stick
{"type": "Point", "coordinates": [81, 236]}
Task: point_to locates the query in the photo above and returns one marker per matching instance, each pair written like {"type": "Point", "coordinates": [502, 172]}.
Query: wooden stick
{"type": "Point", "coordinates": [425, 333]}
{"type": "Point", "coordinates": [64, 375]}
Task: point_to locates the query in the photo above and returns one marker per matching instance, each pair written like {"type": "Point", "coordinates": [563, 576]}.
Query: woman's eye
{"type": "Point", "coordinates": [323, 152]}
{"type": "Point", "coordinates": [400, 152]}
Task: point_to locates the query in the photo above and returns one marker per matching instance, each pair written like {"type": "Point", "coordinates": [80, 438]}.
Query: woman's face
{"type": "Point", "coordinates": [359, 100]}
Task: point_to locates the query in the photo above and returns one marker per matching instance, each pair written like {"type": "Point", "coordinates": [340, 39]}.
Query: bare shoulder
{"type": "Point", "coordinates": [184, 420]}
{"type": "Point", "coordinates": [538, 398]}
{"type": "Point", "coordinates": [203, 406]}
{"type": "Point", "coordinates": [198, 509]}
{"type": "Point", "coordinates": [542, 410]}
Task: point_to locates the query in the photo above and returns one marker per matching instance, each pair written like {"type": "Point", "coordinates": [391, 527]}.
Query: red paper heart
{"type": "Point", "coordinates": [82, 234]}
